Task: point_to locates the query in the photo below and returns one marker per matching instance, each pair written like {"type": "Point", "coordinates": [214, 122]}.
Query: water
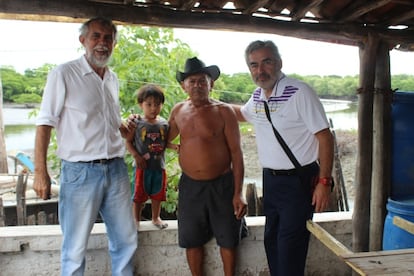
{"type": "Point", "coordinates": [20, 129]}
{"type": "Point", "coordinates": [344, 118]}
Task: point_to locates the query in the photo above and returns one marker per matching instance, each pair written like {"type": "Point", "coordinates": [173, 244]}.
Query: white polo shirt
{"type": "Point", "coordinates": [297, 113]}
{"type": "Point", "coordinates": [85, 111]}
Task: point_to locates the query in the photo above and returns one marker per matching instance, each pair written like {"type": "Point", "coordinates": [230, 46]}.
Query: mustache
{"type": "Point", "coordinates": [198, 90]}
{"type": "Point", "coordinates": [262, 75]}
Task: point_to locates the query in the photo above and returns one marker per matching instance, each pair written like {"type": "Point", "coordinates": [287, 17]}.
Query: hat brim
{"type": "Point", "coordinates": [213, 71]}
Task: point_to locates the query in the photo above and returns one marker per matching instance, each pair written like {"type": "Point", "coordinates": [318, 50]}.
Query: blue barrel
{"type": "Point", "coordinates": [394, 237]}
{"type": "Point", "coordinates": [402, 175]}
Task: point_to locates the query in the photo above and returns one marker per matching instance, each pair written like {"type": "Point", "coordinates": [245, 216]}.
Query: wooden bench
{"type": "Point", "coordinates": [390, 262]}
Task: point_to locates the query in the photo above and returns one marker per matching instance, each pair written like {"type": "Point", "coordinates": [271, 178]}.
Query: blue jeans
{"type": "Point", "coordinates": [87, 189]}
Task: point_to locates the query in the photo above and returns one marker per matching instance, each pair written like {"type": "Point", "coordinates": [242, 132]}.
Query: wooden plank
{"type": "Point", "coordinates": [378, 263]}
{"type": "Point", "coordinates": [403, 224]}
{"type": "Point", "coordinates": [327, 239]}
{"type": "Point", "coordinates": [331, 243]}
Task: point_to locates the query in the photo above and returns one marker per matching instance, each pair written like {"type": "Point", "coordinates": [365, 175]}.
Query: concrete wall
{"type": "Point", "coordinates": [35, 250]}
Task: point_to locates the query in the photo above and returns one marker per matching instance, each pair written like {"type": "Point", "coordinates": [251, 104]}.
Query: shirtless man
{"type": "Point", "coordinates": [210, 190]}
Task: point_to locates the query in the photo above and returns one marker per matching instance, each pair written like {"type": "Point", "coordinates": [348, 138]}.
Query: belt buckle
{"type": "Point", "coordinates": [104, 161]}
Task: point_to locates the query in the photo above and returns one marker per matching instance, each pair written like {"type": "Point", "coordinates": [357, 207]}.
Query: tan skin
{"type": "Point", "coordinates": [98, 43]}
{"type": "Point", "coordinates": [208, 130]}
{"type": "Point", "coordinates": [265, 70]}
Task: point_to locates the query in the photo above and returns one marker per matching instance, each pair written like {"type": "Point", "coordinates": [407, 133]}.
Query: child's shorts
{"type": "Point", "coordinates": [150, 184]}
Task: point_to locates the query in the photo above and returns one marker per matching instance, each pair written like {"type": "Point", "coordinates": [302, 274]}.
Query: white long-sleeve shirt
{"type": "Point", "coordinates": [85, 111]}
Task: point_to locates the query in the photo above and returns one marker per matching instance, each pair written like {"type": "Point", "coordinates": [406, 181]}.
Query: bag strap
{"type": "Point", "coordinates": [282, 142]}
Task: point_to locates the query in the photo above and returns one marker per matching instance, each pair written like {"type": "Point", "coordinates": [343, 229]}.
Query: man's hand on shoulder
{"type": "Point", "coordinates": [128, 127]}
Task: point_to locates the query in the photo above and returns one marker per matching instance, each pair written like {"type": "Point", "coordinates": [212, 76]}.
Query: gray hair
{"type": "Point", "coordinates": [107, 23]}
{"type": "Point", "coordinates": [259, 44]}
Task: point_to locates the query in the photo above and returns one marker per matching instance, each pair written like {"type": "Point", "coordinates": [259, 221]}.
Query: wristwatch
{"type": "Point", "coordinates": [326, 181]}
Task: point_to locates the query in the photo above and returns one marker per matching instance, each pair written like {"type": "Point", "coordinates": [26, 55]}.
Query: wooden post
{"type": "Point", "coordinates": [339, 199]}
{"type": "Point", "coordinates": [21, 199]}
{"type": "Point", "coordinates": [2, 215]}
{"type": "Point", "coordinates": [41, 218]}
{"type": "Point", "coordinates": [251, 197]}
{"type": "Point", "coordinates": [3, 152]}
{"type": "Point", "coordinates": [360, 233]}
{"type": "Point", "coordinates": [381, 165]}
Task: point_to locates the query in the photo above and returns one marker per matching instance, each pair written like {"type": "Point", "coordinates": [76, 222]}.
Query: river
{"type": "Point", "coordinates": [20, 128]}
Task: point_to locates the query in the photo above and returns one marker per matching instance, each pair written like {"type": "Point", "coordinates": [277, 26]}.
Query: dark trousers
{"type": "Point", "coordinates": [287, 207]}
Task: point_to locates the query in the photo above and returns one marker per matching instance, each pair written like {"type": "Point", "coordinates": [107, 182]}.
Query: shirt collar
{"type": "Point", "coordinates": [86, 68]}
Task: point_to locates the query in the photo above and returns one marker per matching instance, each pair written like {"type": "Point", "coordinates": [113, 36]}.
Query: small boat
{"type": "Point", "coordinates": [19, 203]}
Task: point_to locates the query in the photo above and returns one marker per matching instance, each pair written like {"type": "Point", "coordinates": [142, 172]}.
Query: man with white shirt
{"type": "Point", "coordinates": [290, 194]}
{"type": "Point", "coordinates": [81, 102]}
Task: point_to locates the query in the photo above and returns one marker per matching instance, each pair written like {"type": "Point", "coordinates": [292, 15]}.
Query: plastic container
{"type": "Point", "coordinates": [395, 237]}
{"type": "Point", "coordinates": [402, 175]}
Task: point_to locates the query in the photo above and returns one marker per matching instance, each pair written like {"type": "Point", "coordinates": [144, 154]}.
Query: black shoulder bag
{"type": "Point", "coordinates": [283, 143]}
{"type": "Point", "coordinates": [286, 148]}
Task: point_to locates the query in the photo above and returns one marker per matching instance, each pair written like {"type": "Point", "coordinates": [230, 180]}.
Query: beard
{"type": "Point", "coordinates": [265, 81]}
{"type": "Point", "coordinates": [99, 56]}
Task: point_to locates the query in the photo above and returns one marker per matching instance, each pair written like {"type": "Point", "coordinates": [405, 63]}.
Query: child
{"type": "Point", "coordinates": [147, 147]}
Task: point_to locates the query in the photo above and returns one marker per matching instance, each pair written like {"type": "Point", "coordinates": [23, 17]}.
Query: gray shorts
{"type": "Point", "coordinates": [205, 209]}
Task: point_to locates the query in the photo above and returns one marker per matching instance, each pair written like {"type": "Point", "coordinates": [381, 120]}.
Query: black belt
{"type": "Point", "coordinates": [289, 172]}
{"type": "Point", "coordinates": [100, 161]}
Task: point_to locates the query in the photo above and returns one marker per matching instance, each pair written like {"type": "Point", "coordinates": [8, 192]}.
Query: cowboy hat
{"type": "Point", "coordinates": [194, 66]}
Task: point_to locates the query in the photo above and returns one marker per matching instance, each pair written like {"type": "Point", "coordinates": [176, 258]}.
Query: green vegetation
{"type": "Point", "coordinates": [152, 55]}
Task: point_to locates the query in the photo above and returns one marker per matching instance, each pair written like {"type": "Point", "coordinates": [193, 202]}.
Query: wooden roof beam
{"type": "Point", "coordinates": [255, 6]}
{"type": "Point", "coordinates": [303, 9]}
{"type": "Point", "coordinates": [119, 2]}
{"type": "Point", "coordinates": [401, 18]}
{"type": "Point", "coordinates": [356, 10]}
{"type": "Point", "coordinates": [79, 10]}
{"type": "Point", "coordinates": [188, 5]}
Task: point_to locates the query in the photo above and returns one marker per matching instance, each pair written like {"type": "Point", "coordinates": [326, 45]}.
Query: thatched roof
{"type": "Point", "coordinates": [339, 21]}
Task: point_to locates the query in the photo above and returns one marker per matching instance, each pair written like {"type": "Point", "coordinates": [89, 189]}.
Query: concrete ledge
{"type": "Point", "coordinates": [35, 250]}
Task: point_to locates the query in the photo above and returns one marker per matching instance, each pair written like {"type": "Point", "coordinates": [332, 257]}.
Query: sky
{"type": "Point", "coordinates": [29, 44]}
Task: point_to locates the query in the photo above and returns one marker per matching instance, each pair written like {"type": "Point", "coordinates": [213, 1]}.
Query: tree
{"type": "Point", "coordinates": [13, 83]}
{"type": "Point", "coordinates": [238, 88]}
{"type": "Point", "coordinates": [151, 55]}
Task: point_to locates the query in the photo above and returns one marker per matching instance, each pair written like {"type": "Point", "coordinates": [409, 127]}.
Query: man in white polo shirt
{"type": "Point", "coordinates": [290, 195]}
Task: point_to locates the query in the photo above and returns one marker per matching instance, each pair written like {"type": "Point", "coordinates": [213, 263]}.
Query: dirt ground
{"type": "Point", "coordinates": [347, 149]}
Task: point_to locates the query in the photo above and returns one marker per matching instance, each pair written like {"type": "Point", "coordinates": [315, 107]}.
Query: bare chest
{"type": "Point", "coordinates": [205, 123]}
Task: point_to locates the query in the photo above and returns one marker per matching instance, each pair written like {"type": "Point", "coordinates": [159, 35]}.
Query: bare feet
{"type": "Point", "coordinates": [159, 224]}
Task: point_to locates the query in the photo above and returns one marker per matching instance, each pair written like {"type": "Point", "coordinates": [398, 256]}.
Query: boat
{"type": "Point", "coordinates": [19, 204]}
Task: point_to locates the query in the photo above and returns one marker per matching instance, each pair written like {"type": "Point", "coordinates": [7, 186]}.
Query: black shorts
{"type": "Point", "coordinates": [205, 209]}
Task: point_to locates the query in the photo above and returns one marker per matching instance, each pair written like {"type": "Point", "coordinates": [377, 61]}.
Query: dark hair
{"type": "Point", "coordinates": [101, 20]}
{"type": "Point", "coordinates": [258, 44]}
{"type": "Point", "coordinates": [150, 90]}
